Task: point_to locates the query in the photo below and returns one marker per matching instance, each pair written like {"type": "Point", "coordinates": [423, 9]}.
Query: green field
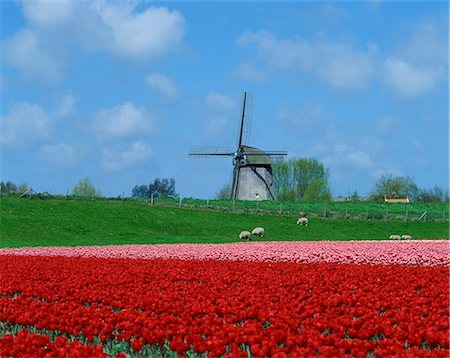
{"type": "Point", "coordinates": [26, 222]}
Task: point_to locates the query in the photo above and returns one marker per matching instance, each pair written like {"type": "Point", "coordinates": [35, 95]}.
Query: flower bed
{"type": "Point", "coordinates": [428, 253]}
{"type": "Point", "coordinates": [221, 307]}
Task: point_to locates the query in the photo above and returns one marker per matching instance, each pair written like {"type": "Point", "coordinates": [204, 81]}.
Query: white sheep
{"type": "Point", "coordinates": [303, 221]}
{"type": "Point", "coordinates": [245, 235]}
{"type": "Point", "coordinates": [258, 231]}
{"type": "Point", "coordinates": [406, 237]}
{"type": "Point", "coordinates": [395, 237]}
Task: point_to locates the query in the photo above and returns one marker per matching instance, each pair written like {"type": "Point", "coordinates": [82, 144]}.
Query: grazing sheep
{"type": "Point", "coordinates": [406, 237]}
{"type": "Point", "coordinates": [245, 235]}
{"type": "Point", "coordinates": [259, 231]}
{"type": "Point", "coordinates": [395, 237]}
{"type": "Point", "coordinates": [303, 221]}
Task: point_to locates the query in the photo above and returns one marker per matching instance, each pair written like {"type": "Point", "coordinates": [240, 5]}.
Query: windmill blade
{"type": "Point", "coordinates": [274, 153]}
{"type": "Point", "coordinates": [201, 151]}
{"type": "Point", "coordinates": [271, 153]}
{"type": "Point", "coordinates": [245, 119]}
{"type": "Point", "coordinates": [241, 127]}
{"type": "Point", "coordinates": [248, 118]}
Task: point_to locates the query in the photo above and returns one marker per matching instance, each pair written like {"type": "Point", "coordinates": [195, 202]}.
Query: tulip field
{"type": "Point", "coordinates": [244, 299]}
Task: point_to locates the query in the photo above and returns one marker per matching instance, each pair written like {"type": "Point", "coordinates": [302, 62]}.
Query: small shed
{"type": "Point", "coordinates": [404, 200]}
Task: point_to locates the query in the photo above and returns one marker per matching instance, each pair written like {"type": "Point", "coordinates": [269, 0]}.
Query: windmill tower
{"type": "Point", "coordinates": [252, 167]}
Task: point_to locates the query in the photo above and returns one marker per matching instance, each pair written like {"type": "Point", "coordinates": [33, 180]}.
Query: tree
{"type": "Point", "coordinates": [85, 188]}
{"type": "Point", "coordinates": [224, 193]}
{"type": "Point", "coordinates": [8, 187]}
{"type": "Point", "coordinates": [354, 196]}
{"type": "Point", "coordinates": [162, 188]}
{"type": "Point", "coordinates": [23, 188]}
{"type": "Point", "coordinates": [140, 191]}
{"type": "Point", "coordinates": [317, 190]}
{"type": "Point", "coordinates": [394, 187]}
{"type": "Point", "coordinates": [435, 195]}
{"type": "Point", "coordinates": [159, 188]}
{"type": "Point", "coordinates": [293, 177]}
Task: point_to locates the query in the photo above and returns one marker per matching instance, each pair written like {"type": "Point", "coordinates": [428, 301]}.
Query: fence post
{"type": "Point", "coordinates": [207, 202]}
{"type": "Point", "coordinates": [346, 214]}
{"type": "Point", "coordinates": [151, 200]}
{"type": "Point", "coordinates": [180, 202]}
{"type": "Point", "coordinates": [406, 215]}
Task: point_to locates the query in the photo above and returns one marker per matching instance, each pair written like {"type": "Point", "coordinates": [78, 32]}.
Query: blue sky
{"type": "Point", "coordinates": [120, 91]}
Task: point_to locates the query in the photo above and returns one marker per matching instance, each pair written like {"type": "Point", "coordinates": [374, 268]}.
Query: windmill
{"type": "Point", "coordinates": [252, 167]}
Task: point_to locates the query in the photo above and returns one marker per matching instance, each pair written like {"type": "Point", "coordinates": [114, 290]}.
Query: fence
{"type": "Point", "coordinates": [332, 210]}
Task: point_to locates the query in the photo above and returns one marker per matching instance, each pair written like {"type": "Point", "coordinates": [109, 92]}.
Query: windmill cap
{"type": "Point", "coordinates": [255, 156]}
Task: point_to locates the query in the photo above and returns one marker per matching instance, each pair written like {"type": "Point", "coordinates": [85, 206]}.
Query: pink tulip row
{"type": "Point", "coordinates": [425, 252]}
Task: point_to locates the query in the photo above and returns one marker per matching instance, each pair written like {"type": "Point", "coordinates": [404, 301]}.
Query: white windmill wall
{"type": "Point", "coordinates": [251, 187]}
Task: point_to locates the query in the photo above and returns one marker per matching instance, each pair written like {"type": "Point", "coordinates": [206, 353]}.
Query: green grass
{"type": "Point", "coordinates": [26, 222]}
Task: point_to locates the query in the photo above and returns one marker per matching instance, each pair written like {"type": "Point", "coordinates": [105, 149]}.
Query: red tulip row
{"type": "Point", "coordinates": [26, 344]}
{"type": "Point", "coordinates": [230, 308]}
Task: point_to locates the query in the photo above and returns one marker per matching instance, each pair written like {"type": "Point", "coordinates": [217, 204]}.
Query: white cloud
{"type": "Point", "coordinates": [27, 123]}
{"type": "Point", "coordinates": [407, 80]}
{"type": "Point", "coordinates": [279, 53]}
{"type": "Point", "coordinates": [162, 84]}
{"type": "Point", "coordinates": [115, 159]}
{"type": "Point", "coordinates": [219, 101]}
{"type": "Point", "coordinates": [420, 63]}
{"type": "Point", "coordinates": [53, 31]}
{"type": "Point", "coordinates": [387, 124]}
{"type": "Point", "coordinates": [310, 116]}
{"type": "Point", "coordinates": [48, 13]}
{"type": "Point", "coordinates": [24, 125]}
{"type": "Point", "coordinates": [139, 34]}
{"type": "Point", "coordinates": [219, 108]}
{"type": "Point", "coordinates": [248, 72]}
{"type": "Point", "coordinates": [347, 163]}
{"type": "Point", "coordinates": [342, 157]}
{"type": "Point", "coordinates": [63, 155]}
{"type": "Point", "coordinates": [66, 107]}
{"type": "Point", "coordinates": [344, 67]}
{"type": "Point", "coordinates": [338, 64]}
{"type": "Point", "coordinates": [122, 121]}
{"type": "Point", "coordinates": [216, 126]}
{"type": "Point", "coordinates": [25, 51]}
{"type": "Point", "coordinates": [428, 44]}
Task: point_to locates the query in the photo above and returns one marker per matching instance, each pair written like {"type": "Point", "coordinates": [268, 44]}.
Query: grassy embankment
{"type": "Point", "coordinates": [73, 223]}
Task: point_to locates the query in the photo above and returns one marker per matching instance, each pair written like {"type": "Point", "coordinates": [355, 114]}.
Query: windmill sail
{"type": "Point", "coordinates": [201, 151]}
{"type": "Point", "coordinates": [245, 119]}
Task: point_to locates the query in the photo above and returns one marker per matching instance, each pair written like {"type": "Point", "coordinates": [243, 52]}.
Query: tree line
{"type": "Point", "coordinates": [295, 179]}
{"type": "Point", "coordinates": [307, 179]}
{"type": "Point", "coordinates": [10, 187]}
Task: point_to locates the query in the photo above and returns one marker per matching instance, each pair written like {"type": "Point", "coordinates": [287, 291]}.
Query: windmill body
{"type": "Point", "coordinates": [252, 177]}
{"type": "Point", "coordinates": [252, 167]}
